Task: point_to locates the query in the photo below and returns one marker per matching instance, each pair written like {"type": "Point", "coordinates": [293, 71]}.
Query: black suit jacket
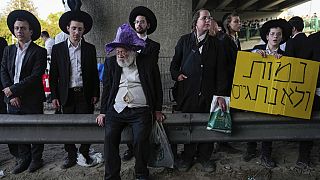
{"type": "Point", "coordinates": [231, 51]}
{"type": "Point", "coordinates": [314, 46]}
{"type": "Point", "coordinates": [30, 88]}
{"type": "Point", "coordinates": [150, 81]}
{"type": "Point", "coordinates": [298, 47]}
{"type": "Point", "coordinates": [152, 49]}
{"type": "Point", "coordinates": [3, 44]}
{"type": "Point", "coordinates": [60, 72]}
{"type": "Point", "coordinates": [206, 72]}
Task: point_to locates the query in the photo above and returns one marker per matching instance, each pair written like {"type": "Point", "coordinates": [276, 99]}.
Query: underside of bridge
{"type": "Point", "coordinates": [246, 5]}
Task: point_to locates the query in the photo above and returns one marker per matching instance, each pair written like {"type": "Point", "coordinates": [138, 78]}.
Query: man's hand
{"type": "Point", "coordinates": [101, 119]}
{"type": "Point", "coordinates": [55, 103]}
{"type": "Point", "coordinates": [16, 102]}
{"type": "Point", "coordinates": [94, 100]}
{"type": "Point", "coordinates": [222, 103]}
{"type": "Point", "coordinates": [181, 77]}
{"type": "Point", "coordinates": [7, 92]}
{"type": "Point", "coordinates": [160, 117]}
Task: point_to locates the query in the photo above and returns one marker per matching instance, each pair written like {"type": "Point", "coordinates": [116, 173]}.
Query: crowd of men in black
{"type": "Point", "coordinates": [202, 66]}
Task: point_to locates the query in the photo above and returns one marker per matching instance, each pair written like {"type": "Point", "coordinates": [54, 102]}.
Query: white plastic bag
{"type": "Point", "coordinates": [96, 157]}
{"type": "Point", "coordinates": [160, 151]}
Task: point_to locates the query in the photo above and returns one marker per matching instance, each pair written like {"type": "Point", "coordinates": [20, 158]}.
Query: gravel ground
{"type": "Point", "coordinates": [229, 166]}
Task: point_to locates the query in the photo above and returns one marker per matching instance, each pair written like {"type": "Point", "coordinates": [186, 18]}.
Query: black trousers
{"type": "Point", "coordinates": [25, 152]}
{"type": "Point", "coordinates": [140, 119]}
{"type": "Point", "coordinates": [305, 150]}
{"type": "Point", "coordinates": [266, 148]}
{"type": "Point", "coordinates": [77, 104]}
{"type": "Point", "coordinates": [204, 150]}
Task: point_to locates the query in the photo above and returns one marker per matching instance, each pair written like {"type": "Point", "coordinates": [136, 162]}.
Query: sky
{"type": "Point", "coordinates": [306, 8]}
{"type": "Point", "coordinates": [45, 7]}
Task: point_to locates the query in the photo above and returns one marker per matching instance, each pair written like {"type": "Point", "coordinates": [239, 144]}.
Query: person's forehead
{"type": "Point", "coordinates": [235, 17]}
{"type": "Point", "coordinates": [21, 23]}
{"type": "Point", "coordinates": [275, 29]}
{"type": "Point", "coordinates": [121, 49]}
{"type": "Point", "coordinates": [204, 13]}
{"type": "Point", "coordinates": [141, 17]}
{"type": "Point", "coordinates": [76, 24]}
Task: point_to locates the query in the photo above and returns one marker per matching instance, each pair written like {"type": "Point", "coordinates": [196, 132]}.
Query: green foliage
{"type": "Point", "coordinates": [21, 4]}
{"type": "Point", "coordinates": [50, 24]}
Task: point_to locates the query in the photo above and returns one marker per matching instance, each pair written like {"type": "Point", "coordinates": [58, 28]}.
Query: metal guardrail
{"type": "Point", "coordinates": [180, 127]}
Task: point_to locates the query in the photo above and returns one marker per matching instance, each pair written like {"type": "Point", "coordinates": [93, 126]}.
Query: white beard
{"type": "Point", "coordinates": [123, 62]}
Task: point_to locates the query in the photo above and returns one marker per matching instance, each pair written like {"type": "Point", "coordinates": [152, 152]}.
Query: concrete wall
{"type": "Point", "coordinates": [174, 19]}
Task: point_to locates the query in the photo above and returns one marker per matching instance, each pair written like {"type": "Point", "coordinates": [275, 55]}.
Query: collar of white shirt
{"type": "Point", "coordinates": [271, 51]}
{"type": "Point", "coordinates": [26, 45]}
{"type": "Point", "coordinates": [71, 45]}
{"type": "Point", "coordinates": [144, 38]}
{"type": "Point", "coordinates": [200, 38]}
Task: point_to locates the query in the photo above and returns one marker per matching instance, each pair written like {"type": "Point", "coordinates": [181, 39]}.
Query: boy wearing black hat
{"type": "Point", "coordinates": [144, 22]}
{"type": "Point", "coordinates": [74, 80]}
{"type": "Point", "coordinates": [22, 67]}
{"type": "Point", "coordinates": [273, 33]}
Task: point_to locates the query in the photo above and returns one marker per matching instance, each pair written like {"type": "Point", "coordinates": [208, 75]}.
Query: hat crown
{"type": "Point", "coordinates": [126, 37]}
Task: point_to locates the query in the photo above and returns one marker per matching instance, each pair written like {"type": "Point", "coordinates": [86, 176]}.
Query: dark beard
{"type": "Point", "coordinates": [143, 31]}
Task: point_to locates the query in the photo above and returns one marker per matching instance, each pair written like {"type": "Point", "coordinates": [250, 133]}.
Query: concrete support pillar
{"type": "Point", "coordinates": [174, 19]}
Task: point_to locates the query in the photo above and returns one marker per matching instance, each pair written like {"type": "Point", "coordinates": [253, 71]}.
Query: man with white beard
{"type": "Point", "coordinates": [132, 95]}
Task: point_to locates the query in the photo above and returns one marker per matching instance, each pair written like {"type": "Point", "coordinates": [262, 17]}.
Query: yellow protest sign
{"type": "Point", "coordinates": [284, 86]}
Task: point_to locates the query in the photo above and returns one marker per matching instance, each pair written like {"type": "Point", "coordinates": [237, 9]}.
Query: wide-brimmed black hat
{"type": "Point", "coordinates": [282, 23]}
{"type": "Point", "coordinates": [75, 15]}
{"type": "Point", "coordinates": [146, 12]}
{"type": "Point", "coordinates": [28, 16]}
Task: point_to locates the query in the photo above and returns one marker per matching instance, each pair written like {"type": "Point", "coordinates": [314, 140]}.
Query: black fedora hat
{"type": "Point", "coordinates": [78, 16]}
{"type": "Point", "coordinates": [28, 16]}
{"type": "Point", "coordinates": [282, 23]}
{"type": "Point", "coordinates": [146, 12]}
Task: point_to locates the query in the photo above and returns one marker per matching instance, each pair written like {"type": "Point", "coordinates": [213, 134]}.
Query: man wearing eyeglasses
{"type": "Point", "coordinates": [199, 71]}
{"type": "Point", "coordinates": [144, 22]}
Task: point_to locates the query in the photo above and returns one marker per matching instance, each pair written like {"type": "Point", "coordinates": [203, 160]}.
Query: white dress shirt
{"type": "Point", "coordinates": [75, 68]}
{"type": "Point", "coordinates": [19, 59]}
{"type": "Point", "coordinates": [48, 45]}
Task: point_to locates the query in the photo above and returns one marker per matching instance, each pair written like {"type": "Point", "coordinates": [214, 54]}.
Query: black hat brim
{"type": "Point", "coordinates": [28, 16]}
{"type": "Point", "coordinates": [78, 16]}
{"type": "Point", "coordinates": [283, 24]}
{"type": "Point", "coordinates": [146, 12]}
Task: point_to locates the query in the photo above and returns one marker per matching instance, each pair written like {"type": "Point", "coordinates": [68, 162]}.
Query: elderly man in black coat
{"type": "Point", "coordinates": [132, 95]}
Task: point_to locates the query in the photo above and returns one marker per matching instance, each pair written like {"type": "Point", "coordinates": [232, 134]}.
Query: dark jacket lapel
{"type": "Point", "coordinates": [66, 58]}
{"type": "Point", "coordinates": [13, 60]}
{"type": "Point", "coordinates": [26, 58]}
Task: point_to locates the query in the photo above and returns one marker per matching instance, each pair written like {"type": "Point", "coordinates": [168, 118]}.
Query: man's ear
{"type": "Point", "coordinates": [148, 26]}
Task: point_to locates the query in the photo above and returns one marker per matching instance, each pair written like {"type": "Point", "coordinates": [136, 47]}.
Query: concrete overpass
{"type": "Point", "coordinates": [248, 9]}
{"type": "Point", "coordinates": [174, 16]}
